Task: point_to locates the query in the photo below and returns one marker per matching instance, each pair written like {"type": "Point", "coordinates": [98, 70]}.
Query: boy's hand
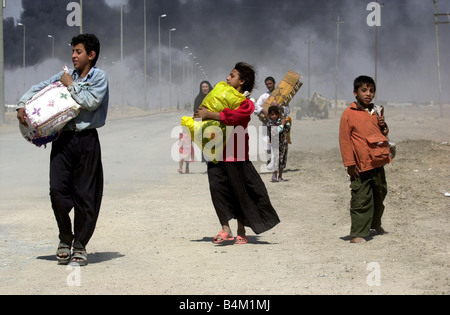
{"type": "Point", "coordinates": [381, 122]}
{"type": "Point", "coordinates": [21, 116]}
{"type": "Point", "coordinates": [352, 171]}
{"type": "Point", "coordinates": [66, 79]}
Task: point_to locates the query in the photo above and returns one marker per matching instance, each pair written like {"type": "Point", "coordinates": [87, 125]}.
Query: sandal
{"type": "Point", "coordinates": [63, 253]}
{"type": "Point", "coordinates": [241, 240]}
{"type": "Point", "coordinates": [221, 237]}
{"type": "Point", "coordinates": [79, 257]}
{"type": "Point", "coordinates": [274, 179]}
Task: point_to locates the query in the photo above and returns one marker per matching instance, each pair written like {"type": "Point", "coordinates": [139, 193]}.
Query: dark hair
{"type": "Point", "coordinates": [269, 79]}
{"type": "Point", "coordinates": [363, 79]}
{"type": "Point", "coordinates": [246, 73]}
{"type": "Point", "coordinates": [274, 109]}
{"type": "Point", "coordinates": [209, 85]}
{"type": "Point", "coordinates": [90, 42]}
{"type": "Point", "coordinates": [199, 99]}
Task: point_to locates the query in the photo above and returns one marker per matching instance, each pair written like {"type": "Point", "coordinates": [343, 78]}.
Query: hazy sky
{"type": "Point", "coordinates": [271, 35]}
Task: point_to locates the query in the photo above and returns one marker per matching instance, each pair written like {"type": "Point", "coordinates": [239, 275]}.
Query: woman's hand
{"type": "Point", "coordinates": [205, 114]}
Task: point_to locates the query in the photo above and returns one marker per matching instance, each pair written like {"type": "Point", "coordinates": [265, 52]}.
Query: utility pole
{"type": "Point", "coordinates": [81, 16]}
{"type": "Point", "coordinates": [436, 22]}
{"type": "Point", "coordinates": [2, 67]}
{"type": "Point", "coordinates": [309, 42]}
{"type": "Point", "coordinates": [145, 54]}
{"type": "Point", "coordinates": [338, 22]}
{"type": "Point", "coordinates": [122, 66]}
{"type": "Point", "coordinates": [376, 53]}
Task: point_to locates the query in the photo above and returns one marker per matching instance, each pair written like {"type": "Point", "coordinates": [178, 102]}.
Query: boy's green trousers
{"type": "Point", "coordinates": [367, 202]}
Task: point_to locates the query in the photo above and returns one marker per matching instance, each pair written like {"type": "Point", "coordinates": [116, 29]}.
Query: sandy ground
{"type": "Point", "coordinates": [154, 234]}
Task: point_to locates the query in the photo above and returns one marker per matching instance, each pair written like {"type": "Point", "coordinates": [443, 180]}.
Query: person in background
{"type": "Point", "coordinates": [277, 129]}
{"type": "Point", "coordinates": [205, 88]}
{"type": "Point", "coordinates": [259, 110]}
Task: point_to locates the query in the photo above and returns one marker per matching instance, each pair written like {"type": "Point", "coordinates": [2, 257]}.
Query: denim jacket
{"type": "Point", "coordinates": [90, 92]}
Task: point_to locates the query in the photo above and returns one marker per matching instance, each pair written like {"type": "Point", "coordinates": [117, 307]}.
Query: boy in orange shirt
{"type": "Point", "coordinates": [365, 150]}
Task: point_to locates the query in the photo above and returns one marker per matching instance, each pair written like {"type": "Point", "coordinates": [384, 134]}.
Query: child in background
{"type": "Point", "coordinates": [365, 150]}
{"type": "Point", "coordinates": [277, 129]}
{"type": "Point", "coordinates": [186, 151]}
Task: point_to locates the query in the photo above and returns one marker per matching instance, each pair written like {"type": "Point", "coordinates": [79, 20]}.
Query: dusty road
{"type": "Point", "coordinates": [155, 228]}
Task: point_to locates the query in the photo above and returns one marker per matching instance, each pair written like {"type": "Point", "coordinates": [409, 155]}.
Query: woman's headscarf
{"type": "Point", "coordinates": [199, 99]}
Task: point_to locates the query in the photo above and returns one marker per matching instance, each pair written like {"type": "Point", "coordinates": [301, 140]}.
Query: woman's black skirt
{"type": "Point", "coordinates": [238, 192]}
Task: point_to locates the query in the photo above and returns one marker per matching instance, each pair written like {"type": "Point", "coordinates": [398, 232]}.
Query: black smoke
{"type": "Point", "coordinates": [268, 34]}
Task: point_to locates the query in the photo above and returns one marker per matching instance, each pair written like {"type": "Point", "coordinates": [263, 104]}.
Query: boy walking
{"type": "Point", "coordinates": [365, 150]}
{"type": "Point", "coordinates": [76, 172]}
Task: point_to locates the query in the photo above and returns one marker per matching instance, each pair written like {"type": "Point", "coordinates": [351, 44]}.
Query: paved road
{"type": "Point", "coordinates": [136, 152]}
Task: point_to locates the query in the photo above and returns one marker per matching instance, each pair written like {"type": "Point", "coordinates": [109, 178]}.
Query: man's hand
{"type": "Point", "coordinates": [21, 116]}
{"type": "Point", "coordinates": [66, 79]}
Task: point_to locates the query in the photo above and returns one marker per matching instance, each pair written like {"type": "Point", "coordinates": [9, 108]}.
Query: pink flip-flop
{"type": "Point", "coordinates": [241, 240]}
{"type": "Point", "coordinates": [223, 237]}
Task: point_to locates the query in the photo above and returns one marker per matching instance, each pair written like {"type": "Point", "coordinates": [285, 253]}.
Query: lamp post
{"type": "Point", "coordinates": [24, 51]}
{"type": "Point", "coordinates": [24, 47]}
{"type": "Point", "coordinates": [309, 42]}
{"type": "Point", "coordinates": [159, 58]}
{"type": "Point", "coordinates": [170, 65]}
{"type": "Point", "coordinates": [2, 63]}
{"type": "Point", "coordinates": [184, 69]}
{"type": "Point", "coordinates": [145, 54]}
{"type": "Point", "coordinates": [338, 22]}
{"type": "Point", "coordinates": [53, 46]}
{"type": "Point", "coordinates": [81, 16]}
{"type": "Point", "coordinates": [121, 54]}
{"type": "Point", "coordinates": [436, 22]}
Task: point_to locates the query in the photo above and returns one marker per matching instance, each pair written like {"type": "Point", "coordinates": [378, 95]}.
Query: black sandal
{"type": "Point", "coordinates": [79, 257]}
{"type": "Point", "coordinates": [63, 253]}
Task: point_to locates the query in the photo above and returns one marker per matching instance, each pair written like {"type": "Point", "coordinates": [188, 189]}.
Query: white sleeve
{"type": "Point", "coordinates": [260, 102]}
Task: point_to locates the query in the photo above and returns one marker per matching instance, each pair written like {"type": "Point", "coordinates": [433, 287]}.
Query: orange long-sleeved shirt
{"type": "Point", "coordinates": [361, 140]}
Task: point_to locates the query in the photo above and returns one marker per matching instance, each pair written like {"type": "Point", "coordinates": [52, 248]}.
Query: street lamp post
{"type": "Point", "coordinates": [145, 54]}
{"type": "Point", "coordinates": [338, 22]}
{"type": "Point", "coordinates": [121, 53]}
{"type": "Point", "coordinates": [170, 65]}
{"type": "Point", "coordinates": [24, 51]}
{"type": "Point", "coordinates": [81, 16]}
{"type": "Point", "coordinates": [53, 46]}
{"type": "Point", "coordinates": [2, 63]}
{"type": "Point", "coordinates": [24, 47]}
{"type": "Point", "coordinates": [309, 42]}
{"type": "Point", "coordinates": [159, 58]}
